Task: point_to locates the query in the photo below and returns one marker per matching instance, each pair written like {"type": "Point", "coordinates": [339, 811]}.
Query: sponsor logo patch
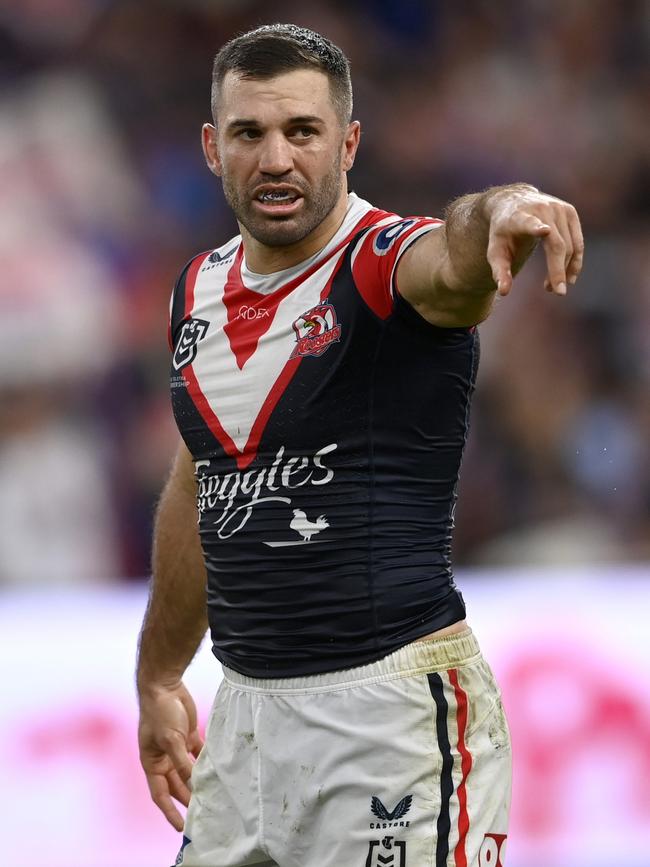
{"type": "Point", "coordinates": [246, 312]}
{"type": "Point", "coordinates": [493, 851]}
{"type": "Point", "coordinates": [230, 499]}
{"type": "Point", "coordinates": [388, 236]}
{"type": "Point", "coordinates": [316, 330]}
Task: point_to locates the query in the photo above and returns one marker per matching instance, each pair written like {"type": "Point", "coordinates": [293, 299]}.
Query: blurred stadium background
{"type": "Point", "coordinates": [104, 195]}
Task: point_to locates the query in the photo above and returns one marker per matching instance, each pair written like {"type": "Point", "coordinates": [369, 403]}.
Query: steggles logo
{"type": "Point", "coordinates": [231, 498]}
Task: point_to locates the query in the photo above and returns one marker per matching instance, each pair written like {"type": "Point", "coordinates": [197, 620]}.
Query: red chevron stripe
{"type": "Point", "coordinates": [245, 457]}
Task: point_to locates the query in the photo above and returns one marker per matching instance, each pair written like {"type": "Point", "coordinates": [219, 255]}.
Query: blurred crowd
{"type": "Point", "coordinates": [104, 196]}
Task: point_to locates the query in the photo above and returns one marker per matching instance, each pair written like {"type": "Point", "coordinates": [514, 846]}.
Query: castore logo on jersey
{"type": "Point", "coordinates": [215, 258]}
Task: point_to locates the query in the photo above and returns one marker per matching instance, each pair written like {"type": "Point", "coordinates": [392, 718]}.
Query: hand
{"type": "Point", "coordinates": [169, 741]}
{"type": "Point", "coordinates": [519, 218]}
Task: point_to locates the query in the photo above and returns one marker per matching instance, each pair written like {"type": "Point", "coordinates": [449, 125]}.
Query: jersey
{"type": "Point", "coordinates": [326, 419]}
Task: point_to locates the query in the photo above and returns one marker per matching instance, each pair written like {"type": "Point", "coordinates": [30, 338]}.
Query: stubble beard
{"type": "Point", "coordinates": [284, 231]}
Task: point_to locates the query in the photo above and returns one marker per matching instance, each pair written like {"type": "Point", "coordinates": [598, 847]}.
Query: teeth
{"type": "Point", "coordinates": [278, 196]}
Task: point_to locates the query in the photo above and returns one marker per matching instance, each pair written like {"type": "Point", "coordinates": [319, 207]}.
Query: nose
{"type": "Point", "coordinates": [275, 155]}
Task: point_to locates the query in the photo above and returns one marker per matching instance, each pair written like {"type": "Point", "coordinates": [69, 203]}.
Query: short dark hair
{"type": "Point", "coordinates": [277, 48]}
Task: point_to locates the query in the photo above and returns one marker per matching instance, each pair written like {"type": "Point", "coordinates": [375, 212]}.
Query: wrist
{"type": "Point", "coordinates": [151, 684]}
{"type": "Point", "coordinates": [492, 197]}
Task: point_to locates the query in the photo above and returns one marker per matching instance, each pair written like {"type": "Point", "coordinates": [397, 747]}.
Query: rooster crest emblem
{"type": "Point", "coordinates": [305, 527]}
{"type": "Point", "coordinates": [316, 330]}
{"type": "Point", "coordinates": [382, 813]}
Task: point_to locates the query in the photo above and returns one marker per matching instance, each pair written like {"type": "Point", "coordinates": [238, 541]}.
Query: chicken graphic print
{"type": "Point", "coordinates": [307, 528]}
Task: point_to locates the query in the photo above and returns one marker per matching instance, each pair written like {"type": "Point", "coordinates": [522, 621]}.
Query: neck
{"type": "Point", "coordinates": [265, 260]}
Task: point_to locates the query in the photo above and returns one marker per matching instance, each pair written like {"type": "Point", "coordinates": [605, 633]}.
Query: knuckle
{"type": "Point", "coordinates": [556, 243]}
{"type": "Point", "coordinates": [171, 740]}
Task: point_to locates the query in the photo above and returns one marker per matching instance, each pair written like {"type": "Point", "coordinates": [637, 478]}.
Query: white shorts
{"type": "Point", "coordinates": [402, 763]}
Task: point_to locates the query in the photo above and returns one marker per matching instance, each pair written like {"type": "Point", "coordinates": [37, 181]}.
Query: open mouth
{"type": "Point", "coordinates": [278, 201]}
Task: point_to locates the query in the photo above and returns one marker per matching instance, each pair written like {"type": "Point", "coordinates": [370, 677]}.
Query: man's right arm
{"type": "Point", "coordinates": [174, 625]}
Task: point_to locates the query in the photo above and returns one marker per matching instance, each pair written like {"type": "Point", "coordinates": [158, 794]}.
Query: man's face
{"type": "Point", "coordinates": [281, 152]}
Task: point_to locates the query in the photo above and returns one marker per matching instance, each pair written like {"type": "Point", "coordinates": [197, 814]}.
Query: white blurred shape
{"type": "Point", "coordinates": [55, 518]}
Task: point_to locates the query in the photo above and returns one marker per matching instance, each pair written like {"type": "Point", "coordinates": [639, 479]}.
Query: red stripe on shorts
{"type": "Point", "coordinates": [460, 856]}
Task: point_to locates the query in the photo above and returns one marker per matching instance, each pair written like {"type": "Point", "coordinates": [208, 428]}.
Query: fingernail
{"type": "Point", "coordinates": [572, 280]}
{"type": "Point", "coordinates": [561, 288]}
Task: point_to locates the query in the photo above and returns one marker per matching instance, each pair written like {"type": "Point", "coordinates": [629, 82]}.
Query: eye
{"type": "Point", "coordinates": [303, 132]}
{"type": "Point", "coordinates": [248, 134]}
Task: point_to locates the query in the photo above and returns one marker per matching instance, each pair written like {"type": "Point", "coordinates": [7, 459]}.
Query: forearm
{"type": "Point", "coordinates": [467, 234]}
{"type": "Point", "coordinates": [176, 617]}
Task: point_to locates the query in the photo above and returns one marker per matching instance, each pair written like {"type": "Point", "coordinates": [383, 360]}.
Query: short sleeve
{"type": "Point", "coordinates": [377, 253]}
{"type": "Point", "coordinates": [178, 303]}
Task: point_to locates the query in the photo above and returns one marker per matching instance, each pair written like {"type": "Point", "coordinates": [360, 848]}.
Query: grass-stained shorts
{"type": "Point", "coordinates": [402, 763]}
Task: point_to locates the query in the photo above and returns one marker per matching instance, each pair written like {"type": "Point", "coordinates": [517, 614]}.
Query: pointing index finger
{"type": "Point", "coordinates": [575, 265]}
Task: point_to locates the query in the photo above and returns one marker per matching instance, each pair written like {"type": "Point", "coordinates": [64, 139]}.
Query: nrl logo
{"type": "Point", "coordinates": [395, 853]}
{"type": "Point", "coordinates": [316, 330]}
{"type": "Point", "coordinates": [193, 331]}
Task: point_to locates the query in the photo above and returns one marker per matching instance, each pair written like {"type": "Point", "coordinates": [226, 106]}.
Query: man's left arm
{"type": "Point", "coordinates": [451, 274]}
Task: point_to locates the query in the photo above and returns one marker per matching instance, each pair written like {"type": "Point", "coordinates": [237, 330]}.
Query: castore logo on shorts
{"type": "Point", "coordinates": [390, 819]}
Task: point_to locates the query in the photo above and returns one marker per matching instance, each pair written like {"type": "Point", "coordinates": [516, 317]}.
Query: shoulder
{"type": "Point", "coordinates": [376, 250]}
{"type": "Point", "coordinates": [181, 301]}
{"type": "Point", "coordinates": [209, 260]}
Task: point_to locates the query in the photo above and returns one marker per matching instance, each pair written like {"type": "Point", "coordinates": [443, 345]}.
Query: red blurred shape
{"type": "Point", "coordinates": [609, 717]}
{"type": "Point", "coordinates": [76, 731]}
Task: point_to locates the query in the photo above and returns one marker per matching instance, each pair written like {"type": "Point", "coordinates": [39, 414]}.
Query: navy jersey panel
{"type": "Point", "coordinates": [327, 420]}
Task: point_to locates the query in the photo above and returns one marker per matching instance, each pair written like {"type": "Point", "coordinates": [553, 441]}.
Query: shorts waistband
{"type": "Point", "coordinates": [418, 657]}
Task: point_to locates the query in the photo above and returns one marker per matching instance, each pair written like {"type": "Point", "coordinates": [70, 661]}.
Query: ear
{"type": "Point", "coordinates": [350, 145]}
{"type": "Point", "coordinates": [210, 149]}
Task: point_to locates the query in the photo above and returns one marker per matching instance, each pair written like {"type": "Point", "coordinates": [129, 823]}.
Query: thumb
{"type": "Point", "coordinates": [195, 743]}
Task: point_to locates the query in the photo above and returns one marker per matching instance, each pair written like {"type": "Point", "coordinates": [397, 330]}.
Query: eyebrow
{"type": "Point", "coordinates": [240, 122]}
